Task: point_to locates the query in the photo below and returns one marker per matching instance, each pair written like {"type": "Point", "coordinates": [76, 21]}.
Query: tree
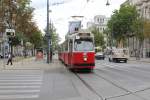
{"type": "Point", "coordinates": [99, 38]}
{"type": "Point", "coordinates": [121, 23]}
{"type": "Point", "coordinates": [55, 39]}
{"type": "Point", "coordinates": [109, 36]}
{"type": "Point", "coordinates": [18, 15]}
{"type": "Point", "coordinates": [146, 28]}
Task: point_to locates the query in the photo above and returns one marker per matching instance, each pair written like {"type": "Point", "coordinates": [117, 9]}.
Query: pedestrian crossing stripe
{"type": "Point", "coordinates": [20, 84]}
{"type": "Point", "coordinates": [23, 96]}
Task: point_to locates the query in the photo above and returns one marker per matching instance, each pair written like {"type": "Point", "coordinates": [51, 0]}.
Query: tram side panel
{"type": "Point", "coordinates": [66, 58]}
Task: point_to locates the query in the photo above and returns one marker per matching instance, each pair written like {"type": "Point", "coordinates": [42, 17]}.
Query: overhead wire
{"type": "Point", "coordinates": [82, 10]}
{"type": "Point", "coordinates": [85, 5]}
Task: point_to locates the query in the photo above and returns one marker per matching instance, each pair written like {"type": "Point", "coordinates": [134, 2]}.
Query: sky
{"type": "Point", "coordinates": [62, 10]}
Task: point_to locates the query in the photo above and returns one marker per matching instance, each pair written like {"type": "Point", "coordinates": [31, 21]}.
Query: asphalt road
{"type": "Point", "coordinates": [35, 80]}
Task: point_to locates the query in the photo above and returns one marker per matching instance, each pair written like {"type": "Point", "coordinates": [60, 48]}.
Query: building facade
{"type": "Point", "coordinates": [143, 8]}
{"type": "Point", "coordinates": [99, 22]}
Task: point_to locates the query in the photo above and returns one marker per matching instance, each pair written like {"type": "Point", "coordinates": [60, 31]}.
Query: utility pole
{"type": "Point", "coordinates": [11, 25]}
{"type": "Point", "coordinates": [48, 35]}
{"type": "Point", "coordinates": [51, 31]}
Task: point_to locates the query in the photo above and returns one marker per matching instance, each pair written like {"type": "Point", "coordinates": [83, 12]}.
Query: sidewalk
{"type": "Point", "coordinates": [32, 64]}
{"type": "Point", "coordinates": [147, 60]}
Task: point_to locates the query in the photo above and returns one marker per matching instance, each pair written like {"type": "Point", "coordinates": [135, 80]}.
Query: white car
{"type": "Point", "coordinates": [119, 55]}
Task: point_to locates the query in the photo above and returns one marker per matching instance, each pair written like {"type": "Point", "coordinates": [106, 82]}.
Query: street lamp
{"type": "Point", "coordinates": [48, 34]}
{"type": "Point", "coordinates": [107, 3]}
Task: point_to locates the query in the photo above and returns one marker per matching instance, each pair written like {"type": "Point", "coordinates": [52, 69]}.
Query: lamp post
{"type": "Point", "coordinates": [48, 35]}
{"type": "Point", "coordinates": [11, 21]}
{"type": "Point", "coordinates": [107, 3]}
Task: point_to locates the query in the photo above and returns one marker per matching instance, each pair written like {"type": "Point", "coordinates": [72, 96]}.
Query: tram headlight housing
{"type": "Point", "coordinates": [85, 58]}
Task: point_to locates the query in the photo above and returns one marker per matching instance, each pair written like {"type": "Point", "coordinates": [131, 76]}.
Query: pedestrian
{"type": "Point", "coordinates": [9, 59]}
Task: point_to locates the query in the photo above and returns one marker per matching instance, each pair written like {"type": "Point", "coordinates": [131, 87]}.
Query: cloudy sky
{"type": "Point", "coordinates": [63, 9]}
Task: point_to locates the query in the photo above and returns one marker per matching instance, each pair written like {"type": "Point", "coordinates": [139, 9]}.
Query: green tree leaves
{"type": "Point", "coordinates": [123, 23]}
{"type": "Point", "coordinates": [99, 38]}
{"type": "Point", "coordinates": [20, 15]}
{"type": "Point", "coordinates": [55, 39]}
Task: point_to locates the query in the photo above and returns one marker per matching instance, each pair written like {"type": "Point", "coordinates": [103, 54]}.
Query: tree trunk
{"type": "Point", "coordinates": [120, 43]}
{"type": "Point", "coordinates": [140, 52]}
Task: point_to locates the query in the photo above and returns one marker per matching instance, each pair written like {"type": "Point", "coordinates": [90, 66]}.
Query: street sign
{"type": "Point", "coordinates": [10, 32]}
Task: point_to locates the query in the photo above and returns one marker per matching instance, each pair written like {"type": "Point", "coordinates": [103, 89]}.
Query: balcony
{"type": "Point", "coordinates": [139, 3]}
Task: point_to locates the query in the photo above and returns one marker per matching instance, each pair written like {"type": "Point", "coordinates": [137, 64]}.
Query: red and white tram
{"type": "Point", "coordinates": [77, 52]}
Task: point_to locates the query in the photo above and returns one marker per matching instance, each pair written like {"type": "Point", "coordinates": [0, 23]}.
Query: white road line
{"type": "Point", "coordinates": [19, 83]}
{"type": "Point", "coordinates": [18, 96]}
{"type": "Point", "coordinates": [20, 91]}
{"type": "Point", "coordinates": [13, 87]}
{"type": "Point", "coordinates": [12, 76]}
{"type": "Point", "coordinates": [20, 80]}
{"type": "Point", "coordinates": [19, 74]}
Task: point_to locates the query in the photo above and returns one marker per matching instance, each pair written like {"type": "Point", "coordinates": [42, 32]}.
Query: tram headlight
{"type": "Point", "coordinates": [85, 58]}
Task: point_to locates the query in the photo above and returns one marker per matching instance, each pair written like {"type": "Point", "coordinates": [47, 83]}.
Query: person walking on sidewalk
{"type": "Point", "coordinates": [9, 59]}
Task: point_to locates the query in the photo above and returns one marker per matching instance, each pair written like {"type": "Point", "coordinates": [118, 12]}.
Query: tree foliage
{"type": "Point", "coordinates": [55, 39]}
{"type": "Point", "coordinates": [147, 28]}
{"type": "Point", "coordinates": [138, 28]}
{"type": "Point", "coordinates": [99, 38]}
{"type": "Point", "coordinates": [18, 15]}
{"type": "Point", "coordinates": [121, 22]}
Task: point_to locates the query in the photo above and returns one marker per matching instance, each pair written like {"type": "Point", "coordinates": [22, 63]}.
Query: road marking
{"type": "Point", "coordinates": [19, 80]}
{"type": "Point", "coordinates": [19, 91]}
{"type": "Point", "coordinates": [27, 96]}
{"type": "Point", "coordinates": [20, 84]}
{"type": "Point", "coordinates": [23, 83]}
{"type": "Point", "coordinates": [20, 77]}
{"type": "Point", "coordinates": [5, 87]}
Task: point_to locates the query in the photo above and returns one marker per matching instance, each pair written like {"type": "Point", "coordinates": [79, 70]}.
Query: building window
{"type": "Point", "coordinates": [103, 28]}
{"type": "Point", "coordinates": [98, 20]}
{"type": "Point", "coordinates": [102, 20]}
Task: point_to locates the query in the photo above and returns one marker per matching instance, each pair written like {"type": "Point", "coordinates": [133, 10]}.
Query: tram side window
{"type": "Point", "coordinates": [66, 47]}
{"type": "Point", "coordinates": [70, 46]}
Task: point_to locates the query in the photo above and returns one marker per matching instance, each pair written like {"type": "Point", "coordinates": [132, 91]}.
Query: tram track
{"type": "Point", "coordinates": [143, 75]}
{"type": "Point", "coordinates": [70, 73]}
{"type": "Point", "coordinates": [107, 98]}
{"type": "Point", "coordinates": [81, 77]}
{"type": "Point", "coordinates": [133, 68]}
{"type": "Point", "coordinates": [99, 95]}
{"type": "Point", "coordinates": [128, 92]}
{"type": "Point", "coordinates": [113, 83]}
{"type": "Point", "coordinates": [89, 87]}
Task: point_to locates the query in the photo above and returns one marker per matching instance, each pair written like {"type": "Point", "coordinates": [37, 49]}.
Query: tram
{"type": "Point", "coordinates": [77, 52]}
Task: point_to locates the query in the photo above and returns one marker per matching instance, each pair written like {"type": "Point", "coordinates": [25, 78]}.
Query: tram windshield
{"type": "Point", "coordinates": [84, 45]}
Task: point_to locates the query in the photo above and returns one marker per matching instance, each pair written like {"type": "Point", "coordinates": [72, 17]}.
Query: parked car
{"type": "Point", "coordinates": [119, 55]}
{"type": "Point", "coordinates": [100, 55]}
